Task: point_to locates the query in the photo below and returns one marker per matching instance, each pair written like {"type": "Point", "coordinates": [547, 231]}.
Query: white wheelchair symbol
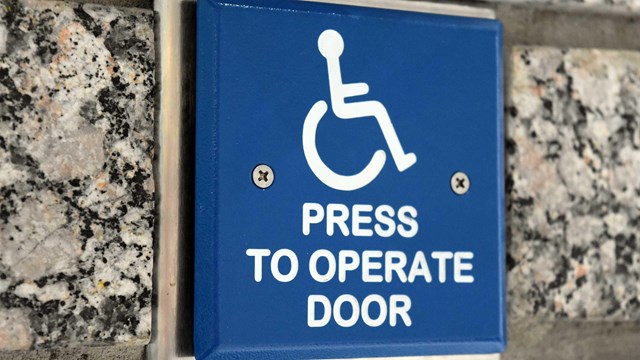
{"type": "Point", "coordinates": [331, 45]}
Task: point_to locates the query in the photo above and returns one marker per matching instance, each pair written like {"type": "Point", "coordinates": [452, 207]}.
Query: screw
{"type": "Point", "coordinates": [460, 183]}
{"type": "Point", "coordinates": [263, 176]}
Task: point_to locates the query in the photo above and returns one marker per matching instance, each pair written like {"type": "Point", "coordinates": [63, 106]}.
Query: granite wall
{"type": "Point", "coordinates": [573, 184]}
{"type": "Point", "coordinates": [573, 203]}
{"type": "Point", "coordinates": [76, 184]}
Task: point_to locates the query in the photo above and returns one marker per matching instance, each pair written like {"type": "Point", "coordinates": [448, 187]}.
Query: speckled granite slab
{"type": "Point", "coordinates": [573, 184]}
{"type": "Point", "coordinates": [76, 185]}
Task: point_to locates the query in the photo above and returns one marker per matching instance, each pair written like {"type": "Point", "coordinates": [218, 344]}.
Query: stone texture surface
{"type": "Point", "coordinates": [76, 185]}
{"type": "Point", "coordinates": [615, 5]}
{"type": "Point", "coordinates": [573, 184]}
{"type": "Point", "coordinates": [564, 339]}
{"type": "Point", "coordinates": [88, 353]}
{"type": "Point", "coordinates": [143, 4]}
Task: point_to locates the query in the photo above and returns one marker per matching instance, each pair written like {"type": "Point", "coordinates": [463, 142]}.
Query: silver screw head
{"type": "Point", "coordinates": [460, 183]}
{"type": "Point", "coordinates": [263, 176]}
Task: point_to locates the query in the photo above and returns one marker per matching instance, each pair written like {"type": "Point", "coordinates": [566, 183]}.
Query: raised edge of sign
{"type": "Point", "coordinates": [418, 6]}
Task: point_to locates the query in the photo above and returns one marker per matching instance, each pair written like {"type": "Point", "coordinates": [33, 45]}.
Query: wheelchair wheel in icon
{"type": "Point", "coordinates": [321, 170]}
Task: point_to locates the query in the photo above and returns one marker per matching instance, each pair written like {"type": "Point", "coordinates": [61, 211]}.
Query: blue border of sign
{"type": "Point", "coordinates": [206, 190]}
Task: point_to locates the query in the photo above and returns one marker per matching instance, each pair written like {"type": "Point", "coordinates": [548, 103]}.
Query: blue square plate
{"type": "Point", "coordinates": [376, 226]}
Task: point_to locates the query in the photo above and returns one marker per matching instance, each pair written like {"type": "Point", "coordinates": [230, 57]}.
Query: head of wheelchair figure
{"type": "Point", "coordinates": [330, 44]}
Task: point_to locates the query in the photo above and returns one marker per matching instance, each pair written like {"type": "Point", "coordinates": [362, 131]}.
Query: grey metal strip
{"type": "Point", "coordinates": [172, 328]}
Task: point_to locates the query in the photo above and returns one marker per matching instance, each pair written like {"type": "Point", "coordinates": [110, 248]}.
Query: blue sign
{"type": "Point", "coordinates": [349, 182]}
